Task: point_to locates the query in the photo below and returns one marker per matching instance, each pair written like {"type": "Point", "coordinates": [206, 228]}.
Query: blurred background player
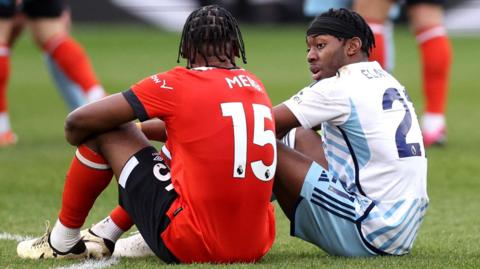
{"type": "Point", "coordinates": [70, 67]}
{"type": "Point", "coordinates": [426, 20]}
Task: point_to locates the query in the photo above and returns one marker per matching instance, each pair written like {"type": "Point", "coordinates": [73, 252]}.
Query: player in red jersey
{"type": "Point", "coordinates": [214, 203]}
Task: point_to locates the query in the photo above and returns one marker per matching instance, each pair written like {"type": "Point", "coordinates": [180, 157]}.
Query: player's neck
{"type": "Point", "coordinates": [213, 62]}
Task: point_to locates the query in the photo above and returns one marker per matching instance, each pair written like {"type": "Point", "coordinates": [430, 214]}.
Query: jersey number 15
{"type": "Point", "coordinates": [261, 137]}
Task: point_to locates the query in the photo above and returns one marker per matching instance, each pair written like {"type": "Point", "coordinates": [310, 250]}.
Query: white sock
{"type": "Point", "coordinates": [4, 122]}
{"type": "Point", "coordinates": [107, 229]}
{"type": "Point", "coordinates": [432, 122]}
{"type": "Point", "coordinates": [63, 238]}
{"type": "Point", "coordinates": [95, 93]}
{"type": "Point", "coordinates": [289, 138]}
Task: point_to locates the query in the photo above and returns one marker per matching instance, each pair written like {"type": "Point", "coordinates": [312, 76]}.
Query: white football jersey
{"type": "Point", "coordinates": [374, 146]}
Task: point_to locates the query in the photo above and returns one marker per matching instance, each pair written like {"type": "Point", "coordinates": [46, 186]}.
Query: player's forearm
{"type": "Point", "coordinates": [154, 129]}
{"type": "Point", "coordinates": [284, 120]}
{"type": "Point", "coordinates": [96, 118]}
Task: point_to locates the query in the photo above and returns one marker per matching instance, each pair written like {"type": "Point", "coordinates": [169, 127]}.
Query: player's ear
{"type": "Point", "coordinates": [354, 45]}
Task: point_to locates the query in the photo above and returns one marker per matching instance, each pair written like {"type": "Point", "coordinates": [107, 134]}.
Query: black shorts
{"type": "Point", "coordinates": [414, 2]}
{"type": "Point", "coordinates": [33, 9]}
{"type": "Point", "coordinates": [146, 193]}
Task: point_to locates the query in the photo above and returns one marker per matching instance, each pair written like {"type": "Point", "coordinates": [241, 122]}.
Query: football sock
{"type": "Point", "coordinates": [121, 218]}
{"type": "Point", "coordinates": [73, 61]}
{"type": "Point", "coordinates": [95, 93]}
{"type": "Point", "coordinates": [289, 138]}
{"type": "Point", "coordinates": [4, 122]}
{"type": "Point", "coordinates": [436, 60]}
{"type": "Point", "coordinates": [107, 229]}
{"type": "Point", "coordinates": [87, 177]}
{"type": "Point", "coordinates": [433, 123]}
{"type": "Point", "coordinates": [4, 73]}
{"type": "Point", "coordinates": [72, 93]}
{"type": "Point", "coordinates": [388, 35]}
{"type": "Point", "coordinates": [378, 53]}
{"type": "Point", "coordinates": [63, 238]}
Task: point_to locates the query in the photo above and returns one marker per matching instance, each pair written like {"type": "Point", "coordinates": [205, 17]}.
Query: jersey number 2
{"type": "Point", "coordinates": [261, 137]}
{"type": "Point", "coordinates": [404, 149]}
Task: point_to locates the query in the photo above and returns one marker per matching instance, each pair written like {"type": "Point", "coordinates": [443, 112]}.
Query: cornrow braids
{"type": "Point", "coordinates": [211, 31]}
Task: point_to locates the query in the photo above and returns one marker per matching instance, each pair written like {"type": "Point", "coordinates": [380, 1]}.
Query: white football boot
{"type": "Point", "coordinates": [40, 248]}
{"type": "Point", "coordinates": [97, 246]}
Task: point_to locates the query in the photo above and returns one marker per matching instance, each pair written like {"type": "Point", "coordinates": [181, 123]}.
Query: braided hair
{"type": "Point", "coordinates": [343, 23]}
{"type": "Point", "coordinates": [211, 31]}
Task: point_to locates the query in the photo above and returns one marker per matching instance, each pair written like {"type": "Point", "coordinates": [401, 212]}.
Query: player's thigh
{"type": "Point", "coordinates": [326, 216]}
{"type": "Point", "coordinates": [46, 19]}
{"type": "Point", "coordinates": [309, 143]}
{"type": "Point", "coordinates": [7, 12]}
{"type": "Point", "coordinates": [292, 167]}
{"type": "Point", "coordinates": [146, 193]}
{"type": "Point", "coordinates": [373, 10]}
{"type": "Point", "coordinates": [119, 145]}
{"type": "Point", "coordinates": [5, 30]}
{"type": "Point", "coordinates": [44, 29]}
{"type": "Point", "coordinates": [425, 14]}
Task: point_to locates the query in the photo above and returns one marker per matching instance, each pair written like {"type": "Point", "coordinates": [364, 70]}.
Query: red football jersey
{"type": "Point", "coordinates": [222, 142]}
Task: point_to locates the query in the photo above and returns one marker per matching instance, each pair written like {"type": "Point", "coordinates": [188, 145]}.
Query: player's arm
{"type": "Point", "coordinates": [97, 117]}
{"type": "Point", "coordinates": [154, 129]}
{"type": "Point", "coordinates": [285, 120]}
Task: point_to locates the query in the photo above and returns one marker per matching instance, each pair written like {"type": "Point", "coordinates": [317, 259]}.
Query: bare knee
{"type": "Point", "coordinates": [118, 145]}
{"type": "Point", "coordinates": [45, 29]}
{"type": "Point", "coordinates": [123, 135]}
{"type": "Point", "coordinates": [373, 10]}
{"type": "Point", "coordinates": [425, 15]}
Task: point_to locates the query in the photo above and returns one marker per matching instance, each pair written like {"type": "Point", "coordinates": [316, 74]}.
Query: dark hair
{"type": "Point", "coordinates": [211, 31]}
{"type": "Point", "coordinates": [343, 23]}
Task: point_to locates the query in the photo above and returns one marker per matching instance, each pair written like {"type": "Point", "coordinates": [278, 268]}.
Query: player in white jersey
{"type": "Point", "coordinates": [369, 196]}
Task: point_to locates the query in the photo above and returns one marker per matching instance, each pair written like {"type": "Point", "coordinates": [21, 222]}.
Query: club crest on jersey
{"type": "Point", "coordinates": [297, 99]}
{"type": "Point", "coordinates": [163, 82]}
{"type": "Point", "coordinates": [241, 81]}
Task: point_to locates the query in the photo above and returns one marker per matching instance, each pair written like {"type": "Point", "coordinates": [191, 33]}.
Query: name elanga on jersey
{"type": "Point", "coordinates": [241, 81]}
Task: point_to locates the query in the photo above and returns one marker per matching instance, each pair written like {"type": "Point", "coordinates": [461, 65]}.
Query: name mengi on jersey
{"type": "Point", "coordinates": [241, 81]}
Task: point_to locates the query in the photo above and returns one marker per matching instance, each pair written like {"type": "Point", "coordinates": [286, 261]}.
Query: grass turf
{"type": "Point", "coordinates": [32, 173]}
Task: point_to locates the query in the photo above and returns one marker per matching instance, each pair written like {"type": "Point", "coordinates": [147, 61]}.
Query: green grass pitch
{"type": "Point", "coordinates": [32, 173]}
